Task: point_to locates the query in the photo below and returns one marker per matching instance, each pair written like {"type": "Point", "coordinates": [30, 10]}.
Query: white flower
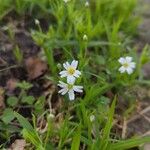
{"type": "Point", "coordinates": [127, 65]}
{"type": "Point", "coordinates": [71, 73]}
{"type": "Point", "coordinates": [87, 4]}
{"type": "Point", "coordinates": [92, 118]}
{"type": "Point", "coordinates": [69, 88]}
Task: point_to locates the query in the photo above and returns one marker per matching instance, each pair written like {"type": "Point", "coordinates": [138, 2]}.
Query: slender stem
{"type": "Point", "coordinates": [5, 69]}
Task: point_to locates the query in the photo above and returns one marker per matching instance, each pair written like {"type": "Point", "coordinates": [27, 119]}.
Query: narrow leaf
{"type": "Point", "coordinates": [23, 122]}
{"type": "Point", "coordinates": [127, 144]}
{"type": "Point", "coordinates": [76, 139]}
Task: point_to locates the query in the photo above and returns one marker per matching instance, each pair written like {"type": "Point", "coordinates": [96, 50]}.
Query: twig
{"type": "Point", "coordinates": [49, 102]}
{"type": "Point", "coordinates": [124, 128]}
{"type": "Point", "coordinates": [145, 117]}
{"type": "Point", "coordinates": [14, 66]}
{"type": "Point", "coordinates": [138, 116]}
{"type": "Point", "coordinates": [146, 134]}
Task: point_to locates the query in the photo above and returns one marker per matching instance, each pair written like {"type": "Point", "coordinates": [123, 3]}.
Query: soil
{"type": "Point", "coordinates": [140, 121]}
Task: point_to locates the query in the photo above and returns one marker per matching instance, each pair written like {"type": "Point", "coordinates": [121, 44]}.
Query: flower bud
{"type": "Point", "coordinates": [37, 22]}
{"type": "Point", "coordinates": [85, 38]}
{"type": "Point", "coordinates": [87, 4]}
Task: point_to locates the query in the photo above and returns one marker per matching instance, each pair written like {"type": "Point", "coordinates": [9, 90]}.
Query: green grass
{"type": "Point", "coordinates": [110, 26]}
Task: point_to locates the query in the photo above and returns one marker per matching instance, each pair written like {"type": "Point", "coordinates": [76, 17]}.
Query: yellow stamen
{"type": "Point", "coordinates": [126, 65]}
{"type": "Point", "coordinates": [70, 86]}
{"type": "Point", "coordinates": [71, 70]}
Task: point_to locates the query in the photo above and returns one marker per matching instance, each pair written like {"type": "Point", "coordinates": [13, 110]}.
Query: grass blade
{"type": "Point", "coordinates": [76, 139]}
{"type": "Point", "coordinates": [23, 122]}
{"type": "Point", "coordinates": [126, 144]}
{"type": "Point", "coordinates": [106, 133]}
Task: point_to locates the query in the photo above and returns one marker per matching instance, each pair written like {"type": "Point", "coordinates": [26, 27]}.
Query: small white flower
{"type": "Point", "coordinates": [85, 38]}
{"type": "Point", "coordinates": [66, 1]}
{"type": "Point", "coordinates": [71, 71]}
{"type": "Point", "coordinates": [87, 4]}
{"type": "Point", "coordinates": [92, 118]}
{"type": "Point", "coordinates": [70, 88]}
{"type": "Point", "coordinates": [127, 65]}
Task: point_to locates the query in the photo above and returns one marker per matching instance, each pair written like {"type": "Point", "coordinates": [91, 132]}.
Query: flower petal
{"type": "Point", "coordinates": [122, 69]}
{"type": "Point", "coordinates": [128, 59]}
{"type": "Point", "coordinates": [122, 60]}
{"type": "Point", "coordinates": [66, 65]}
{"type": "Point", "coordinates": [63, 74]}
{"type": "Point", "coordinates": [78, 88]}
{"type": "Point", "coordinates": [71, 95]}
{"type": "Point", "coordinates": [62, 84]}
{"type": "Point", "coordinates": [77, 73]}
{"type": "Point", "coordinates": [63, 91]}
{"type": "Point", "coordinates": [129, 70]}
{"type": "Point", "coordinates": [70, 79]}
{"type": "Point", "coordinates": [132, 64]}
{"type": "Point", "coordinates": [74, 64]}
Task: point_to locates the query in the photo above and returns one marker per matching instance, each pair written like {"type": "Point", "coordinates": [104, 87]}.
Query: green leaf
{"type": "Point", "coordinates": [8, 128]}
{"type": "Point", "coordinates": [127, 144]}
{"type": "Point", "coordinates": [8, 115]}
{"type": "Point", "coordinates": [76, 139]}
{"type": "Point", "coordinates": [108, 126]}
{"type": "Point", "coordinates": [104, 100]}
{"type": "Point", "coordinates": [33, 138]}
{"type": "Point", "coordinates": [23, 122]}
{"type": "Point", "coordinates": [28, 99]}
{"type": "Point", "coordinates": [145, 56]}
{"type": "Point", "coordinates": [12, 101]}
{"type": "Point", "coordinates": [39, 105]}
{"type": "Point", "coordinates": [24, 85]}
{"type": "Point", "coordinates": [100, 59]}
{"type": "Point", "coordinates": [28, 132]}
{"type": "Point", "coordinates": [18, 54]}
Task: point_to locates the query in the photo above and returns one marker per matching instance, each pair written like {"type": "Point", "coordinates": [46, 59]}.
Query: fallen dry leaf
{"type": "Point", "coordinates": [35, 67]}
{"type": "Point", "coordinates": [11, 85]}
{"type": "Point", "coordinates": [19, 144]}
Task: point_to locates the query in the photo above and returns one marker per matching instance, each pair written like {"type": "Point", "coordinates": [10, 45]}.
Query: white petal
{"type": "Point", "coordinates": [63, 91]}
{"type": "Point", "coordinates": [122, 69]}
{"type": "Point", "coordinates": [78, 88]}
{"type": "Point", "coordinates": [128, 59]}
{"type": "Point", "coordinates": [122, 60]}
{"type": "Point", "coordinates": [77, 73]}
{"type": "Point", "coordinates": [63, 74]}
{"type": "Point", "coordinates": [74, 64]}
{"type": "Point", "coordinates": [70, 79]}
{"type": "Point", "coordinates": [62, 83]}
{"type": "Point", "coordinates": [71, 95]}
{"type": "Point", "coordinates": [66, 65]}
{"type": "Point", "coordinates": [132, 64]}
{"type": "Point", "coordinates": [129, 70]}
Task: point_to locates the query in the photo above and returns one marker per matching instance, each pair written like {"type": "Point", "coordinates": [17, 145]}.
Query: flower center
{"type": "Point", "coordinates": [126, 65]}
{"type": "Point", "coordinates": [70, 86]}
{"type": "Point", "coordinates": [71, 70]}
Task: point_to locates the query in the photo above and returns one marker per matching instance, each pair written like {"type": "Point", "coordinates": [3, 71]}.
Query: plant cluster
{"type": "Point", "coordinates": [95, 37]}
